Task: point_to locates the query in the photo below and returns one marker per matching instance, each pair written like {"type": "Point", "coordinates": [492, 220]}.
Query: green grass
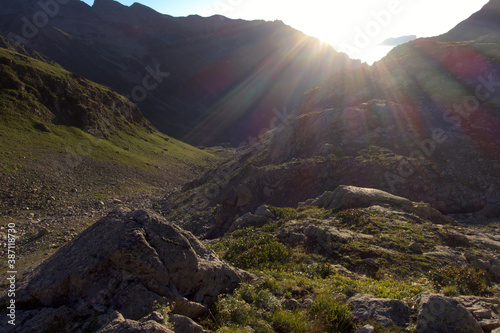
{"type": "Point", "coordinates": [286, 272]}
{"type": "Point", "coordinates": [27, 113]}
{"type": "Point", "coordinates": [253, 250]}
{"type": "Point", "coordinates": [142, 150]}
{"type": "Point", "coordinates": [260, 305]}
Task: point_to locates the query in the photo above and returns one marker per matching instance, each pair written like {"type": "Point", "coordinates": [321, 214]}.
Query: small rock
{"type": "Point", "coordinates": [308, 302]}
{"type": "Point", "coordinates": [371, 261]}
{"type": "Point", "coordinates": [248, 220]}
{"type": "Point", "coordinates": [366, 329]}
{"type": "Point", "coordinates": [264, 211]}
{"type": "Point", "coordinates": [155, 316]}
{"type": "Point", "coordinates": [482, 313]}
{"type": "Point", "coordinates": [415, 248]}
{"type": "Point", "coordinates": [42, 233]}
{"type": "Point", "coordinates": [489, 324]}
{"type": "Point", "coordinates": [495, 271]}
{"type": "Point", "coordinates": [184, 324]}
{"type": "Point", "coordinates": [454, 239]}
{"type": "Point", "coordinates": [291, 304]}
{"type": "Point", "coordinates": [117, 201]}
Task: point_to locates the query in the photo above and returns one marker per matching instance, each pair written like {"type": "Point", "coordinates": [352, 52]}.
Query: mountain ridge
{"type": "Point", "coordinates": [219, 68]}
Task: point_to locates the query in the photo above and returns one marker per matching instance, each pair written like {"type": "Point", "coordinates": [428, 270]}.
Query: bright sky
{"type": "Point", "coordinates": [356, 27]}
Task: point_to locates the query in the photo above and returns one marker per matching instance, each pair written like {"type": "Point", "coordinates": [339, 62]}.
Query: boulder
{"type": "Point", "coordinates": [327, 238]}
{"type": "Point", "coordinates": [130, 262]}
{"type": "Point", "coordinates": [438, 313]}
{"type": "Point", "coordinates": [488, 325]}
{"type": "Point", "coordinates": [415, 248]}
{"type": "Point", "coordinates": [347, 197]}
{"type": "Point", "coordinates": [248, 220]}
{"type": "Point", "coordinates": [366, 329]}
{"type": "Point", "coordinates": [154, 316]}
{"type": "Point", "coordinates": [384, 310]}
{"type": "Point", "coordinates": [454, 239]}
{"type": "Point", "coordinates": [264, 211]}
{"type": "Point", "coordinates": [182, 324]}
{"type": "Point", "coordinates": [122, 325]}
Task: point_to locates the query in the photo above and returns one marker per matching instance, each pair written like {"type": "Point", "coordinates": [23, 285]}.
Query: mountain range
{"type": "Point", "coordinates": [421, 123]}
{"type": "Point", "coordinates": [203, 80]}
{"type": "Point", "coordinates": [324, 195]}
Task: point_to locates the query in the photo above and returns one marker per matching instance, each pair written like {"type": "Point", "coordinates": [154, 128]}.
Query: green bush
{"type": "Point", "coordinates": [320, 270]}
{"type": "Point", "coordinates": [352, 216]}
{"type": "Point", "coordinates": [466, 280]}
{"type": "Point", "coordinates": [284, 213]}
{"type": "Point", "coordinates": [290, 321]}
{"type": "Point", "coordinates": [251, 250]}
{"type": "Point", "coordinates": [336, 316]}
{"type": "Point", "coordinates": [230, 310]}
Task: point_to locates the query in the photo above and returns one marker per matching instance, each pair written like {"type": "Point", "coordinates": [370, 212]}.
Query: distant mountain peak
{"type": "Point", "coordinates": [100, 3]}
{"type": "Point", "coordinates": [398, 40]}
{"type": "Point", "coordinates": [111, 6]}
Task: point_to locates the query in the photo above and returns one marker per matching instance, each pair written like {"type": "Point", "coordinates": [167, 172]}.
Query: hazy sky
{"type": "Point", "coordinates": [356, 27]}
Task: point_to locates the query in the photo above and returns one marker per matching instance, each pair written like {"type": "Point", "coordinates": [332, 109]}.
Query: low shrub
{"type": "Point", "coordinates": [466, 280]}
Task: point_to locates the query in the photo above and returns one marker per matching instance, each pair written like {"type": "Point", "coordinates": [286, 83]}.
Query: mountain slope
{"type": "Point", "coordinates": [206, 80]}
{"type": "Point", "coordinates": [482, 23]}
{"type": "Point", "coordinates": [422, 123]}
{"type": "Point", "coordinates": [63, 134]}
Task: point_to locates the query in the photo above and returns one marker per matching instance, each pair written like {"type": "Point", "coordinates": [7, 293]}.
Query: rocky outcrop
{"type": "Point", "coordinates": [131, 262]}
{"type": "Point", "coordinates": [384, 310]}
{"type": "Point", "coordinates": [438, 313]}
{"type": "Point", "coordinates": [261, 216]}
{"type": "Point", "coordinates": [485, 310]}
{"type": "Point", "coordinates": [346, 197]}
{"type": "Point", "coordinates": [121, 325]}
{"type": "Point", "coordinates": [433, 313]}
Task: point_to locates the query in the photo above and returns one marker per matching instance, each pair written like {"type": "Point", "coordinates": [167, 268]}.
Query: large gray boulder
{"type": "Point", "coordinates": [345, 197]}
{"type": "Point", "coordinates": [348, 197]}
{"type": "Point", "coordinates": [384, 310]}
{"type": "Point", "coordinates": [130, 262]}
{"type": "Point", "coordinates": [440, 314]}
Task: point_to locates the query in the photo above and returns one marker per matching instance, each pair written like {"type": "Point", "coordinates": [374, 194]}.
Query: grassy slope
{"type": "Point", "coordinates": [23, 135]}
{"type": "Point", "coordinates": [57, 178]}
{"type": "Point", "coordinates": [307, 274]}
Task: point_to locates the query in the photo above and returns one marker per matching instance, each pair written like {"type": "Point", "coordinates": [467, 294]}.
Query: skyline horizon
{"type": "Point", "coordinates": [357, 32]}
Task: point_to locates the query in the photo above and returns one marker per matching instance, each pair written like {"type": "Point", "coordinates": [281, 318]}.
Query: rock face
{"type": "Point", "coordinates": [384, 310]}
{"type": "Point", "coordinates": [130, 261]}
{"type": "Point", "coordinates": [438, 313]}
